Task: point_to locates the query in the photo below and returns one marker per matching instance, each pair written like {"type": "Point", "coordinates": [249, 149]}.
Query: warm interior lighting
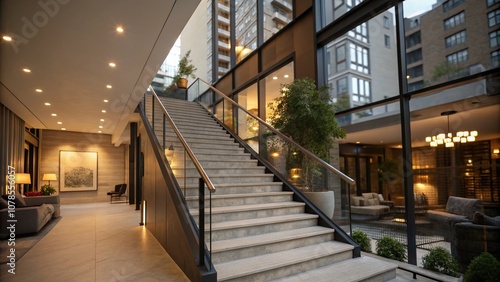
{"type": "Point", "coordinates": [99, 131]}
{"type": "Point", "coordinates": [295, 173]}
{"type": "Point", "coordinates": [47, 104]}
{"type": "Point", "coordinates": [103, 111]}
{"type": "Point", "coordinates": [109, 86]}
{"type": "Point", "coordinates": [286, 76]}
{"type": "Point", "coordinates": [7, 38]}
{"type": "Point", "coordinates": [169, 153]}
{"type": "Point", "coordinates": [26, 70]}
{"type": "Point", "coordinates": [49, 177]}
{"type": "Point", "coordinates": [119, 29]}
{"type": "Point", "coordinates": [101, 119]}
{"type": "Point", "coordinates": [275, 154]}
{"type": "Point", "coordinates": [105, 100]}
{"type": "Point", "coordinates": [63, 128]}
{"type": "Point", "coordinates": [54, 115]}
{"type": "Point", "coordinates": [39, 90]}
{"type": "Point", "coordinates": [22, 178]}
{"type": "Point", "coordinates": [496, 151]}
{"type": "Point", "coordinates": [143, 213]}
{"type": "Point", "coordinates": [448, 139]}
{"type": "Point", "coordinates": [112, 64]}
{"type": "Point", "coordinates": [100, 126]}
{"type": "Point", "coordinates": [59, 122]}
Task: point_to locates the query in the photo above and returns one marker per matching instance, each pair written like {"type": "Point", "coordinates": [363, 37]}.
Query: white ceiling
{"type": "Point", "coordinates": [68, 46]}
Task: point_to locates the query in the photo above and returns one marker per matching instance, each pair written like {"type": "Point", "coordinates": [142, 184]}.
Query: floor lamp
{"type": "Point", "coordinates": [23, 178]}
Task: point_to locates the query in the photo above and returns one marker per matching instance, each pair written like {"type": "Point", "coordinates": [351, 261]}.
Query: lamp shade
{"type": "Point", "coordinates": [23, 178]}
{"type": "Point", "coordinates": [49, 176]}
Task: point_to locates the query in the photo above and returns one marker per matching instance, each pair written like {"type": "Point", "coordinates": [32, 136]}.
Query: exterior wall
{"type": "Point", "coordinates": [110, 162]}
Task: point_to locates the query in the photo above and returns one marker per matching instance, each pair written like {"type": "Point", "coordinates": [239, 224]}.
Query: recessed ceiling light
{"type": "Point", "coordinates": [285, 76]}
{"type": "Point", "coordinates": [26, 70]}
{"type": "Point", "coordinates": [103, 111]}
{"type": "Point", "coordinates": [119, 29]}
{"type": "Point", "coordinates": [63, 128]}
{"type": "Point", "coordinates": [275, 77]}
{"type": "Point", "coordinates": [99, 131]}
{"type": "Point", "coordinates": [101, 119]}
{"type": "Point", "coordinates": [54, 115]}
{"type": "Point", "coordinates": [112, 64]}
{"type": "Point", "coordinates": [47, 104]}
{"type": "Point", "coordinates": [7, 38]}
{"type": "Point", "coordinates": [109, 86]}
{"type": "Point", "coordinates": [357, 142]}
{"type": "Point", "coordinates": [100, 126]}
{"type": "Point", "coordinates": [39, 90]}
{"type": "Point", "coordinates": [105, 100]}
{"type": "Point", "coordinates": [59, 122]}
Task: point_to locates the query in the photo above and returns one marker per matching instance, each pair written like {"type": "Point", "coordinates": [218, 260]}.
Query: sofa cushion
{"type": "Point", "coordinates": [482, 219]}
{"type": "Point", "coordinates": [380, 197]}
{"type": "Point", "coordinates": [18, 200]}
{"type": "Point", "coordinates": [463, 206]}
{"type": "Point", "coordinates": [357, 201]}
{"type": "Point", "coordinates": [371, 199]}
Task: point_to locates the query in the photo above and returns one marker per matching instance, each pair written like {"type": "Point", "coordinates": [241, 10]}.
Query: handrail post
{"type": "Point", "coordinates": [201, 220]}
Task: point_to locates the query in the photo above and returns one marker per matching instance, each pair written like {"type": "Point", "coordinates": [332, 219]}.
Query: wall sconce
{"type": "Point", "coordinates": [169, 153]}
{"type": "Point", "coordinates": [295, 173]}
{"type": "Point", "coordinates": [49, 177]}
{"type": "Point", "coordinates": [496, 151]}
{"type": "Point", "coordinates": [22, 178]}
{"type": "Point", "coordinates": [143, 213]}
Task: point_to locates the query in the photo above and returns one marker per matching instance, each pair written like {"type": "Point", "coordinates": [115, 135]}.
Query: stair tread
{"type": "Point", "coordinates": [229, 196]}
{"type": "Point", "coordinates": [248, 266]}
{"type": "Point", "coordinates": [228, 209]}
{"type": "Point", "coordinates": [268, 238]}
{"type": "Point", "coordinates": [259, 221]}
{"type": "Point", "coordinates": [356, 269]}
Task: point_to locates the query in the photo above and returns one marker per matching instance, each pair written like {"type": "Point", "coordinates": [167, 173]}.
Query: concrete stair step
{"type": "Point", "coordinates": [219, 171]}
{"type": "Point", "coordinates": [276, 265]}
{"type": "Point", "coordinates": [255, 226]}
{"type": "Point", "coordinates": [239, 248]}
{"type": "Point", "coordinates": [356, 269]}
{"type": "Point", "coordinates": [242, 199]}
{"type": "Point", "coordinates": [236, 178]}
{"type": "Point", "coordinates": [218, 145]}
{"type": "Point", "coordinates": [238, 188]}
{"type": "Point", "coordinates": [241, 212]}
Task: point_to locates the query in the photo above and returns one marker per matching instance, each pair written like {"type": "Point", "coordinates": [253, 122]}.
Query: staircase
{"type": "Point", "coordinates": [258, 232]}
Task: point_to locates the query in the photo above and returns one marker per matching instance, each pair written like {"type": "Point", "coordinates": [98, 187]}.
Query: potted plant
{"type": "Point", "coordinates": [306, 114]}
{"type": "Point", "coordinates": [185, 69]}
{"type": "Point", "coordinates": [47, 190]}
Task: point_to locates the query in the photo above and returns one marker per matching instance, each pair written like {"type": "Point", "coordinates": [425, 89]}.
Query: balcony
{"type": "Point", "coordinates": [223, 19]}
{"type": "Point", "coordinates": [280, 18]}
{"type": "Point", "coordinates": [284, 5]}
{"type": "Point", "coordinates": [223, 58]}
{"type": "Point", "coordinates": [223, 45]}
{"type": "Point", "coordinates": [223, 7]}
{"type": "Point", "coordinates": [223, 32]}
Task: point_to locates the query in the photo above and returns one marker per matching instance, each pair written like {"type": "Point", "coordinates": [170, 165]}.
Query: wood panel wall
{"type": "Point", "coordinates": [111, 162]}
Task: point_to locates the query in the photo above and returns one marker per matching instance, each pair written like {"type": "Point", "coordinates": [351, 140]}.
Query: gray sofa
{"type": "Point", "coordinates": [458, 210]}
{"type": "Point", "coordinates": [31, 213]}
{"type": "Point", "coordinates": [369, 206]}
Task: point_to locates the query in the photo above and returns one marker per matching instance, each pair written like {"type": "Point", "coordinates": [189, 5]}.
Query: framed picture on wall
{"type": "Point", "coordinates": [77, 171]}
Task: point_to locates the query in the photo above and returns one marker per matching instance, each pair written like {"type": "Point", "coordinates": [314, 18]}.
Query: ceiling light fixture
{"type": "Point", "coordinates": [112, 64]}
{"type": "Point", "coordinates": [27, 70]}
{"type": "Point", "coordinates": [47, 104]}
{"type": "Point", "coordinates": [63, 128]}
{"type": "Point", "coordinates": [100, 126]}
{"type": "Point", "coordinates": [59, 122]}
{"type": "Point", "coordinates": [119, 29]}
{"type": "Point", "coordinates": [449, 139]}
{"type": "Point", "coordinates": [275, 77]}
{"type": "Point", "coordinates": [105, 101]}
{"type": "Point", "coordinates": [101, 119]}
{"type": "Point", "coordinates": [7, 38]}
{"type": "Point", "coordinates": [39, 90]}
{"type": "Point", "coordinates": [109, 86]}
{"type": "Point", "coordinates": [54, 115]}
{"type": "Point", "coordinates": [285, 76]}
{"type": "Point", "coordinates": [103, 111]}
{"type": "Point", "coordinates": [99, 131]}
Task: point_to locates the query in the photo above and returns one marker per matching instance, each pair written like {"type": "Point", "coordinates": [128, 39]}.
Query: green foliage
{"type": "Point", "coordinates": [483, 268]}
{"type": "Point", "coordinates": [388, 171]}
{"type": "Point", "coordinates": [439, 259]}
{"type": "Point", "coordinates": [185, 69]}
{"type": "Point", "coordinates": [47, 190]}
{"type": "Point", "coordinates": [363, 240]}
{"type": "Point", "coordinates": [391, 248]}
{"type": "Point", "coordinates": [443, 69]}
{"type": "Point", "coordinates": [305, 113]}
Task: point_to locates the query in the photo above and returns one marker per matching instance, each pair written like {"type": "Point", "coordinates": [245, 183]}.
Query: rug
{"type": "Point", "coordinates": [24, 243]}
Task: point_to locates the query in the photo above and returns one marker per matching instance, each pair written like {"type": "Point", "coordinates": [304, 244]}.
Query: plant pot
{"type": "Point", "coordinates": [182, 83]}
{"type": "Point", "coordinates": [325, 201]}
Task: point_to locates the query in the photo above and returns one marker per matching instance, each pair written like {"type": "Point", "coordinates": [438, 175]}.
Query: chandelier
{"type": "Point", "coordinates": [449, 139]}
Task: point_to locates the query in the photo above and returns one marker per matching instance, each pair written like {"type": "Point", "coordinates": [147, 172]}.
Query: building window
{"type": "Point", "coordinates": [495, 59]}
{"type": "Point", "coordinates": [415, 71]}
{"type": "Point", "coordinates": [495, 38]}
{"type": "Point", "coordinates": [386, 22]}
{"type": "Point", "coordinates": [413, 39]}
{"type": "Point", "coordinates": [460, 56]}
{"type": "Point", "coordinates": [352, 3]}
{"type": "Point", "coordinates": [492, 2]}
{"type": "Point", "coordinates": [360, 91]}
{"type": "Point", "coordinates": [359, 58]}
{"type": "Point", "coordinates": [455, 39]}
{"type": "Point", "coordinates": [342, 86]}
{"type": "Point", "coordinates": [360, 33]}
{"type": "Point", "coordinates": [415, 86]}
{"type": "Point", "coordinates": [455, 20]}
{"type": "Point", "coordinates": [387, 41]}
{"type": "Point", "coordinates": [494, 17]}
{"type": "Point", "coordinates": [340, 58]}
{"type": "Point", "coordinates": [448, 5]}
{"type": "Point", "coordinates": [414, 56]}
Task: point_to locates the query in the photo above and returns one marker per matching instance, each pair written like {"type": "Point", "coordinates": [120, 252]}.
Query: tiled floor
{"type": "Point", "coordinates": [96, 242]}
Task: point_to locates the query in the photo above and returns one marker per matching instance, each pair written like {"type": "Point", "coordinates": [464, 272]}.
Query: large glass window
{"type": "Point", "coordinates": [360, 33]}
{"type": "Point", "coordinates": [455, 39]}
{"type": "Point", "coordinates": [458, 57]}
{"type": "Point", "coordinates": [495, 38]}
{"type": "Point", "coordinates": [277, 14]}
{"type": "Point", "coordinates": [494, 18]}
{"type": "Point", "coordinates": [454, 21]}
{"type": "Point", "coordinates": [450, 4]}
{"type": "Point", "coordinates": [495, 59]}
{"type": "Point", "coordinates": [360, 91]}
{"type": "Point", "coordinates": [273, 83]}
{"type": "Point", "coordinates": [359, 58]}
